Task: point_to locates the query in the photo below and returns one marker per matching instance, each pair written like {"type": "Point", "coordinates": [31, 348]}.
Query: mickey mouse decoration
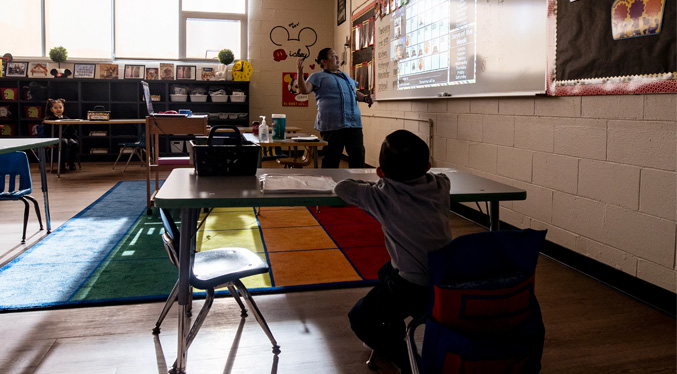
{"type": "Point", "coordinates": [60, 73]}
{"type": "Point", "coordinates": [298, 45]}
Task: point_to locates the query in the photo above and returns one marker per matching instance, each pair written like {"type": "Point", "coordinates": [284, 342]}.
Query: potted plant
{"type": "Point", "coordinates": [59, 55]}
{"type": "Point", "coordinates": [226, 57]}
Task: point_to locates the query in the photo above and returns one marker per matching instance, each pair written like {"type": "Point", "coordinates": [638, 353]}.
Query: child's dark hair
{"type": "Point", "coordinates": [51, 102]}
{"type": "Point", "coordinates": [404, 156]}
{"type": "Point", "coordinates": [323, 55]}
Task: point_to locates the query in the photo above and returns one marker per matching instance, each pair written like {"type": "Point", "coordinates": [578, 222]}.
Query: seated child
{"type": "Point", "coordinates": [413, 207]}
{"type": "Point", "coordinates": [70, 144]}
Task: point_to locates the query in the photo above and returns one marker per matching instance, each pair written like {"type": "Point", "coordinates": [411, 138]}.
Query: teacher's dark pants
{"type": "Point", "coordinates": [351, 139]}
{"type": "Point", "coordinates": [378, 318]}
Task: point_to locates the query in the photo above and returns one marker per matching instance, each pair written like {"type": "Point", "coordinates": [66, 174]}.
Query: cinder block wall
{"type": "Point", "coordinates": [599, 171]}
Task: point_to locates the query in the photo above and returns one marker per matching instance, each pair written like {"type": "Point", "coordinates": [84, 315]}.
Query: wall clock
{"type": "Point", "coordinates": [242, 70]}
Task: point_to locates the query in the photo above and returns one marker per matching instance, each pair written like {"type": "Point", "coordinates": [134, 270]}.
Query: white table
{"type": "Point", "coordinates": [8, 145]}
{"type": "Point", "coordinates": [185, 190]}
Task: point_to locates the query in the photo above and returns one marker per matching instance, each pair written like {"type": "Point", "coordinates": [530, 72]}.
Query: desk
{"type": "Point", "coordinates": [61, 122]}
{"type": "Point", "coordinates": [312, 146]}
{"type": "Point", "coordinates": [19, 144]}
{"type": "Point", "coordinates": [185, 190]}
{"type": "Point", "coordinates": [156, 126]}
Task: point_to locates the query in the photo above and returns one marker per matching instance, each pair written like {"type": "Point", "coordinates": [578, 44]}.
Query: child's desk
{"type": "Point", "coordinates": [184, 190]}
{"type": "Point", "coordinates": [61, 122]}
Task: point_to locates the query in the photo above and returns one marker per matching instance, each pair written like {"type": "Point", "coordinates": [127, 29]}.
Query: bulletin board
{"type": "Point", "coordinates": [601, 47]}
{"type": "Point", "coordinates": [362, 49]}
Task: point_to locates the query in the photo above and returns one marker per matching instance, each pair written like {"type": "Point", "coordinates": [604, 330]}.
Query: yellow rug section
{"type": "Point", "coordinates": [297, 248]}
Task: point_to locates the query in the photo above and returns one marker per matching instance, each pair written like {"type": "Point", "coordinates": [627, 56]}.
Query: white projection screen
{"type": "Point", "coordinates": [452, 48]}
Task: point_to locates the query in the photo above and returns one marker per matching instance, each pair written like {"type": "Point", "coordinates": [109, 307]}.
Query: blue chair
{"type": "Point", "coordinates": [15, 166]}
{"type": "Point", "coordinates": [215, 268]}
{"type": "Point", "coordinates": [137, 148]}
{"type": "Point", "coordinates": [484, 316]}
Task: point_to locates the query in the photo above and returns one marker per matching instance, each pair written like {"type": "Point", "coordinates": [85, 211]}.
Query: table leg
{"type": "Point", "coordinates": [58, 165]}
{"type": "Point", "coordinates": [43, 180]}
{"type": "Point", "coordinates": [187, 245]}
{"type": "Point", "coordinates": [494, 220]}
{"type": "Point", "coordinates": [315, 155]}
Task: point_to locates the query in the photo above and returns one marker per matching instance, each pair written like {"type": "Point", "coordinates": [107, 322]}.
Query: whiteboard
{"type": "Point", "coordinates": [460, 48]}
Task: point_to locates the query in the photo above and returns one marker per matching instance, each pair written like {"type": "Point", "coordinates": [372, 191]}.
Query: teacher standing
{"type": "Point", "coordinates": [338, 115]}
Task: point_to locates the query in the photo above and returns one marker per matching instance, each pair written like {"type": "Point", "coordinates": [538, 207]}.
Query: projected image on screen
{"type": "Point", "coordinates": [434, 43]}
{"type": "Point", "coordinates": [443, 48]}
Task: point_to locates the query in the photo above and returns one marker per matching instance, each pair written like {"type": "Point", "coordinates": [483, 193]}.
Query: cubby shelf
{"type": "Point", "coordinates": [122, 97]}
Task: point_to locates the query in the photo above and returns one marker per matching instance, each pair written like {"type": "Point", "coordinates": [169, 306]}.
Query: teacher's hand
{"type": "Point", "coordinates": [369, 100]}
{"type": "Point", "coordinates": [299, 64]}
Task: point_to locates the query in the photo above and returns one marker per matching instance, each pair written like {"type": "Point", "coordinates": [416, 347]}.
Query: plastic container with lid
{"type": "Point", "coordinates": [279, 126]}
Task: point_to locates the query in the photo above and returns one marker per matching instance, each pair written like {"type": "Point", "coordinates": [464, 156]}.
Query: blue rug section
{"type": "Point", "coordinates": [54, 269]}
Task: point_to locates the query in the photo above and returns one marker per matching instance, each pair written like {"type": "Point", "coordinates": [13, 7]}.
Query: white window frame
{"type": "Point", "coordinates": [183, 19]}
{"type": "Point", "coordinates": [185, 15]}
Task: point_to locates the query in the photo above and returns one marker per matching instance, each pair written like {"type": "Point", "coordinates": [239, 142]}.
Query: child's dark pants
{"type": "Point", "coordinates": [378, 318]}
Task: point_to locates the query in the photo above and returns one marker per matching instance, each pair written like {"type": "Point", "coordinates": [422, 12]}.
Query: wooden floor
{"type": "Point", "coordinates": [590, 328]}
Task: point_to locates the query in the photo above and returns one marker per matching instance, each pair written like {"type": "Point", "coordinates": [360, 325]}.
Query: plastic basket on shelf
{"type": "Point", "coordinates": [238, 98]}
{"type": "Point", "coordinates": [227, 155]}
{"type": "Point", "coordinates": [219, 98]}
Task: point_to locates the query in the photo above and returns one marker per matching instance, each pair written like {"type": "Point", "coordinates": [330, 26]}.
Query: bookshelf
{"type": "Point", "coordinates": [22, 107]}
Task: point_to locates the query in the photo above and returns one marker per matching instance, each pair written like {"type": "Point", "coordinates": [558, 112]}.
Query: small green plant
{"type": "Point", "coordinates": [58, 55]}
{"type": "Point", "coordinates": [226, 56]}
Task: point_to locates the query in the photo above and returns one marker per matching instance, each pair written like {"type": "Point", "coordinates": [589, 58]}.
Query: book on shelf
{"type": "Point", "coordinates": [98, 151]}
{"type": "Point", "coordinates": [98, 133]}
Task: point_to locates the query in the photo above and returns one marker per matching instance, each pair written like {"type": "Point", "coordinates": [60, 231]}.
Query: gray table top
{"type": "Point", "coordinates": [185, 189]}
{"type": "Point", "coordinates": [8, 145]}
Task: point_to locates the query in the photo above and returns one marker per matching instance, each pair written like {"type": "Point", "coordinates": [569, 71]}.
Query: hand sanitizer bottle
{"type": "Point", "coordinates": [264, 135]}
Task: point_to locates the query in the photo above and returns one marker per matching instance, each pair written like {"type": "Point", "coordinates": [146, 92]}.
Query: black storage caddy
{"type": "Point", "coordinates": [225, 155]}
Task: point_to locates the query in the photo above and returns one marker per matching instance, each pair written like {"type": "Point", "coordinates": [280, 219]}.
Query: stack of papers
{"type": "Point", "coordinates": [304, 138]}
{"type": "Point", "coordinates": [272, 183]}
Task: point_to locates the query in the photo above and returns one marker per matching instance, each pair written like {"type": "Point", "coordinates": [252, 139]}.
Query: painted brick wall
{"type": "Point", "coordinates": [600, 171]}
{"type": "Point", "coordinates": [266, 81]}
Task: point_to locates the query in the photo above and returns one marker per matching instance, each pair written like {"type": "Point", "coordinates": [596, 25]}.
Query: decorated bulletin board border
{"type": "Point", "coordinates": [604, 48]}
{"type": "Point", "coordinates": [362, 47]}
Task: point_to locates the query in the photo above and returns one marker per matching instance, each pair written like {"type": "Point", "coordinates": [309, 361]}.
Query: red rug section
{"type": "Point", "coordinates": [359, 236]}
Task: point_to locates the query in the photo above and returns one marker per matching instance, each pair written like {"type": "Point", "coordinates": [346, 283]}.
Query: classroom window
{"type": "Point", "coordinates": [82, 26]}
{"type": "Point", "coordinates": [124, 29]}
{"type": "Point", "coordinates": [147, 29]}
{"type": "Point", "coordinates": [219, 6]}
{"type": "Point", "coordinates": [26, 21]}
{"type": "Point", "coordinates": [205, 37]}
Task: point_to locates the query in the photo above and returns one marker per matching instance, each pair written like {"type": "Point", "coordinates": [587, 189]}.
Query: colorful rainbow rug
{"type": "Point", "coordinates": [112, 253]}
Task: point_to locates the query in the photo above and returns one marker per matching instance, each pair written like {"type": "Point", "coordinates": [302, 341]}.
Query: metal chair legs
{"type": "Point", "coordinates": [236, 289]}
{"type": "Point", "coordinates": [257, 314]}
{"type": "Point", "coordinates": [27, 209]}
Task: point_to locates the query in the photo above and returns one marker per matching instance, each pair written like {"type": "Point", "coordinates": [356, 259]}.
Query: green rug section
{"type": "Point", "coordinates": [137, 268]}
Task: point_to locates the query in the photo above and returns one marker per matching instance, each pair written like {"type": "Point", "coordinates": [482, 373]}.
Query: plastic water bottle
{"type": "Point", "coordinates": [264, 135]}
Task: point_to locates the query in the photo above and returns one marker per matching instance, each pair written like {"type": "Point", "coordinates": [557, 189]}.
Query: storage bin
{"type": "Point", "coordinates": [238, 98]}
{"type": "Point", "coordinates": [219, 98]}
{"type": "Point", "coordinates": [178, 97]}
{"type": "Point", "coordinates": [198, 98]}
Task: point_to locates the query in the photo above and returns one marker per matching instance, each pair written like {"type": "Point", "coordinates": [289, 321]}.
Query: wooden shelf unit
{"type": "Point", "coordinates": [122, 97]}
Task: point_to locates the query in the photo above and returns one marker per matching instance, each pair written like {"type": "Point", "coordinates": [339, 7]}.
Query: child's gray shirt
{"type": "Point", "coordinates": [414, 216]}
